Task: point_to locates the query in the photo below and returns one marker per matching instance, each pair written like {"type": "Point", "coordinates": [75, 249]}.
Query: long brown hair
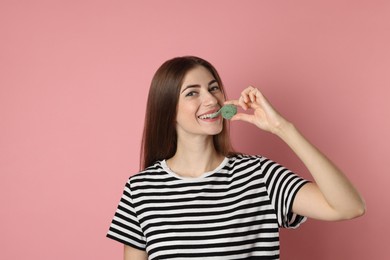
{"type": "Point", "coordinates": [159, 138]}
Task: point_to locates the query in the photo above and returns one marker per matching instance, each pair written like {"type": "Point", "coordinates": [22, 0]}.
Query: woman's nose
{"type": "Point", "coordinates": [209, 99]}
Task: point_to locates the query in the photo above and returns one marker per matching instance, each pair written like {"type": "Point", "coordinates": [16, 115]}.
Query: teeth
{"type": "Point", "coordinates": [208, 116]}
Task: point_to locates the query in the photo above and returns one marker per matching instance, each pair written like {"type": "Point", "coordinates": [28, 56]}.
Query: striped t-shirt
{"type": "Point", "coordinates": [233, 212]}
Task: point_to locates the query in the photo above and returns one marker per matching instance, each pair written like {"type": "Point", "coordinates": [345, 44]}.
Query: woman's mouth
{"type": "Point", "coordinates": [209, 116]}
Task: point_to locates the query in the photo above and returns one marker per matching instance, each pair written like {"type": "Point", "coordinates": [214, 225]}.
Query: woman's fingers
{"type": "Point", "coordinates": [237, 102]}
{"type": "Point", "coordinates": [247, 94]}
{"type": "Point", "coordinates": [248, 98]}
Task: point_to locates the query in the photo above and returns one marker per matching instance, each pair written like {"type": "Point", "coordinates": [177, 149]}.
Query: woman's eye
{"type": "Point", "coordinates": [190, 94]}
{"type": "Point", "coordinates": [214, 89]}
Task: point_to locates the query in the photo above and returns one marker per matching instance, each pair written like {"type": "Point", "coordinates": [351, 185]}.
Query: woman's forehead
{"type": "Point", "coordinates": [198, 75]}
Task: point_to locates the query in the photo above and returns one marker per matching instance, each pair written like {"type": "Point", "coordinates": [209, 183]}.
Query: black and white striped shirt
{"type": "Point", "coordinates": [233, 212]}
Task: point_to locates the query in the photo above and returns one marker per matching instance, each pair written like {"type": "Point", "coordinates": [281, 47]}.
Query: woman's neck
{"type": "Point", "coordinates": [194, 157]}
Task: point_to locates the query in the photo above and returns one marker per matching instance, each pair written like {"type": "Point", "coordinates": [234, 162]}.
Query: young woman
{"type": "Point", "coordinates": [195, 198]}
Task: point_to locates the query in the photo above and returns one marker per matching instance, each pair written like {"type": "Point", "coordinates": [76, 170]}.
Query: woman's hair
{"type": "Point", "coordinates": [159, 138]}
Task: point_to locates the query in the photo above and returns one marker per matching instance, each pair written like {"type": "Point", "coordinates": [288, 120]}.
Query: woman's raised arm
{"type": "Point", "coordinates": [332, 196]}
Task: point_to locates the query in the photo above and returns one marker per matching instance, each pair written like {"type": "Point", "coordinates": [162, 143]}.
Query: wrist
{"type": "Point", "coordinates": [284, 130]}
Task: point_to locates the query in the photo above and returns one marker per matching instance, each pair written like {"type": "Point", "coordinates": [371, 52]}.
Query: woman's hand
{"type": "Point", "coordinates": [264, 115]}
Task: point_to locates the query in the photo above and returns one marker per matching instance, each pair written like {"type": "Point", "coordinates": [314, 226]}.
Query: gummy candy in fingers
{"type": "Point", "coordinates": [228, 111]}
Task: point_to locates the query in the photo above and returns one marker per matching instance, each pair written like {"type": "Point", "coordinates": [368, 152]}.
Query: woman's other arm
{"type": "Point", "coordinates": [131, 253]}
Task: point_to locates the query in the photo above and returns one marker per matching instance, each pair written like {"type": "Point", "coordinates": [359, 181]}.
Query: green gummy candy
{"type": "Point", "coordinates": [228, 111]}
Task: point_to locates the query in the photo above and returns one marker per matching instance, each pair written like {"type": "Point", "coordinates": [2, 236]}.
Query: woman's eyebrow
{"type": "Point", "coordinates": [190, 86]}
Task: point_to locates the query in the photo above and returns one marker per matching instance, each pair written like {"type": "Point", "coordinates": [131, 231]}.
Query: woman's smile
{"type": "Point", "coordinates": [209, 115]}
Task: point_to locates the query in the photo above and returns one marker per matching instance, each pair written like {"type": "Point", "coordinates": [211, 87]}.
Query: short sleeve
{"type": "Point", "coordinates": [282, 186]}
{"type": "Point", "coordinates": [125, 227]}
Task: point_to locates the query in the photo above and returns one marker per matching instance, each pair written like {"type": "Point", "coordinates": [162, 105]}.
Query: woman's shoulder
{"type": "Point", "coordinates": [250, 158]}
{"type": "Point", "coordinates": [240, 159]}
{"type": "Point", "coordinates": [245, 157]}
{"type": "Point", "coordinates": [151, 171]}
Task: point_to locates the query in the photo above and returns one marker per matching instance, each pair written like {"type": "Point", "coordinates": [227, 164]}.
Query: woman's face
{"type": "Point", "coordinates": [200, 95]}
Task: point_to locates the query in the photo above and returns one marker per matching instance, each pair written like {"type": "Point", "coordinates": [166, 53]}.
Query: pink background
{"type": "Point", "coordinates": [73, 85]}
